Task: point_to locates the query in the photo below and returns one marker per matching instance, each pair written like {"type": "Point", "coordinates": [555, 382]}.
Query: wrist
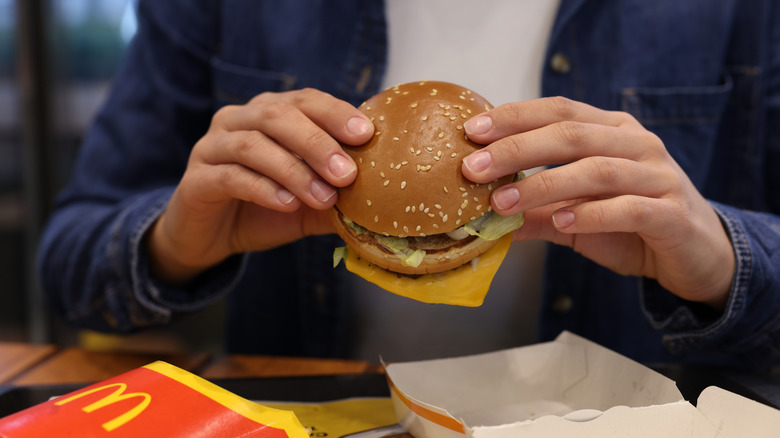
{"type": "Point", "coordinates": [165, 263]}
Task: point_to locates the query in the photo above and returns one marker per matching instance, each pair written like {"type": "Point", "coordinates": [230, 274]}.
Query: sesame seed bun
{"type": "Point", "coordinates": [409, 182]}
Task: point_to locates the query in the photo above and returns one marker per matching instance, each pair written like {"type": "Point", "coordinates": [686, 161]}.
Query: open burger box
{"type": "Point", "coordinates": [567, 387]}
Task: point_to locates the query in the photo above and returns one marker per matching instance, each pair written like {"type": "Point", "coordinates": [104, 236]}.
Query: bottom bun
{"type": "Point", "coordinates": [441, 253]}
{"type": "Point", "coordinates": [466, 285]}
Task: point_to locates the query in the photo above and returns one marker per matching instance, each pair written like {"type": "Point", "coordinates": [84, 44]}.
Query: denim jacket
{"type": "Point", "coordinates": [704, 76]}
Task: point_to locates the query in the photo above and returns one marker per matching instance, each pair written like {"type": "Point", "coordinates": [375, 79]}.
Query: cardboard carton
{"type": "Point", "coordinates": [567, 387]}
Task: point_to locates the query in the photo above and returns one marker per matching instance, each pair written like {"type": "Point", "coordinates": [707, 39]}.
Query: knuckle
{"type": "Point", "coordinates": [573, 133]}
{"type": "Point", "coordinates": [546, 184]}
{"type": "Point", "coordinates": [305, 94]}
{"type": "Point", "coordinates": [638, 211]}
{"type": "Point", "coordinates": [246, 143]}
{"type": "Point", "coordinates": [563, 107]}
{"type": "Point", "coordinates": [604, 170]}
{"type": "Point", "coordinates": [316, 139]}
{"type": "Point", "coordinates": [274, 110]}
{"type": "Point", "coordinates": [222, 114]}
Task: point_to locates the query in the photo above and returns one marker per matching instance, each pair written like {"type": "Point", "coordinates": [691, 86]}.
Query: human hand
{"type": "Point", "coordinates": [618, 197]}
{"type": "Point", "coordinates": [263, 175]}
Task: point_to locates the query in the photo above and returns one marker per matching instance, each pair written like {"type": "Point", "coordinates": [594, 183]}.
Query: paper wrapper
{"type": "Point", "coordinates": [158, 399]}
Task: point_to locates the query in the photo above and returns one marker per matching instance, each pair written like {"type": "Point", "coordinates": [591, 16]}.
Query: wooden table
{"type": "Point", "coordinates": [28, 364]}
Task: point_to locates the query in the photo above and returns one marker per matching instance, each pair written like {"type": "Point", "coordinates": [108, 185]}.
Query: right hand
{"type": "Point", "coordinates": [263, 175]}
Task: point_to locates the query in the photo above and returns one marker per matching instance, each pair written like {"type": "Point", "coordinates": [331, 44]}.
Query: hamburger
{"type": "Point", "coordinates": [412, 223]}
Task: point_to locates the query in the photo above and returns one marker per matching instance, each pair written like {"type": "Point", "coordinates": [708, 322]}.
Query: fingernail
{"type": "Point", "coordinates": [506, 198]}
{"type": "Point", "coordinates": [285, 196]}
{"type": "Point", "coordinates": [358, 125]}
{"type": "Point", "coordinates": [563, 218]}
{"type": "Point", "coordinates": [341, 166]}
{"type": "Point", "coordinates": [478, 125]}
{"type": "Point", "coordinates": [478, 161]}
{"type": "Point", "coordinates": [321, 191]}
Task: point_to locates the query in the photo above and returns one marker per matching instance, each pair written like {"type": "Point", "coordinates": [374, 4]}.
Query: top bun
{"type": "Point", "coordinates": [409, 180]}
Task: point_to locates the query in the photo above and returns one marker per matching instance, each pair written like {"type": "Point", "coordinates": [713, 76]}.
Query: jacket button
{"type": "Point", "coordinates": [563, 304]}
{"type": "Point", "coordinates": [559, 63]}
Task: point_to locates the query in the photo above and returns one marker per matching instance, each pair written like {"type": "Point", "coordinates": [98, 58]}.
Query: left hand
{"type": "Point", "coordinates": [618, 197]}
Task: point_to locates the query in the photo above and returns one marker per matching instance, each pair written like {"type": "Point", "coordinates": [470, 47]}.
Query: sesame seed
{"type": "Point", "coordinates": [403, 185]}
{"type": "Point", "coordinates": [382, 118]}
{"type": "Point", "coordinates": [437, 158]}
{"type": "Point", "coordinates": [479, 207]}
{"type": "Point", "coordinates": [454, 154]}
{"type": "Point", "coordinates": [398, 166]}
{"type": "Point", "coordinates": [392, 165]}
{"type": "Point", "coordinates": [414, 105]}
{"type": "Point", "coordinates": [406, 229]}
{"type": "Point", "coordinates": [429, 148]}
{"type": "Point", "coordinates": [441, 135]}
{"type": "Point", "coordinates": [462, 189]}
{"type": "Point", "coordinates": [414, 208]}
{"type": "Point", "coordinates": [449, 146]}
{"type": "Point", "coordinates": [444, 219]}
{"type": "Point", "coordinates": [373, 164]}
{"type": "Point", "coordinates": [445, 190]}
{"type": "Point", "coordinates": [396, 139]}
{"type": "Point", "coordinates": [378, 132]}
{"type": "Point", "coordinates": [453, 118]}
{"type": "Point", "coordinates": [382, 174]}
{"type": "Point", "coordinates": [473, 218]}
{"type": "Point", "coordinates": [490, 186]}
{"type": "Point", "coordinates": [459, 127]}
{"type": "Point", "coordinates": [427, 209]}
{"type": "Point", "coordinates": [438, 206]}
{"type": "Point", "coordinates": [418, 152]}
{"type": "Point", "coordinates": [389, 99]}
{"type": "Point", "coordinates": [424, 118]}
{"type": "Point", "coordinates": [465, 203]}
{"type": "Point", "coordinates": [376, 218]}
{"type": "Point", "coordinates": [387, 181]}
{"type": "Point", "coordinates": [368, 201]}
{"type": "Point", "coordinates": [457, 222]}
{"type": "Point", "coordinates": [395, 224]}
{"type": "Point", "coordinates": [460, 212]}
{"type": "Point", "coordinates": [422, 206]}
{"type": "Point", "coordinates": [431, 215]}
{"type": "Point", "coordinates": [436, 226]}
{"type": "Point", "coordinates": [408, 208]}
{"type": "Point", "coordinates": [411, 150]}
{"type": "Point", "coordinates": [418, 228]}
{"type": "Point", "coordinates": [422, 234]}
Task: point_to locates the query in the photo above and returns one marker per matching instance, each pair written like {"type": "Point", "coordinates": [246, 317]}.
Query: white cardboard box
{"type": "Point", "coordinates": [567, 387]}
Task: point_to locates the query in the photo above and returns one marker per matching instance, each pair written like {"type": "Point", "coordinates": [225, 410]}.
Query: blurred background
{"type": "Point", "coordinates": [57, 59]}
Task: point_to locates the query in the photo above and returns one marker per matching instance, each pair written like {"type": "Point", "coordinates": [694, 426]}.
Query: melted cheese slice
{"type": "Point", "coordinates": [463, 286]}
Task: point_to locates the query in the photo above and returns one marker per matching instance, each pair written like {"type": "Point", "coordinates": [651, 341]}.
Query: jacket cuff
{"type": "Point", "coordinates": [162, 300]}
{"type": "Point", "coordinates": [693, 325]}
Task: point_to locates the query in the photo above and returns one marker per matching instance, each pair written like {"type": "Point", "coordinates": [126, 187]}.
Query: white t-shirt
{"type": "Point", "coordinates": [496, 48]}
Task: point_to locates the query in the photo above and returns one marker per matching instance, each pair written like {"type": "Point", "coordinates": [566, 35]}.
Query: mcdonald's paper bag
{"type": "Point", "coordinates": [567, 387]}
{"type": "Point", "coordinates": [158, 399]}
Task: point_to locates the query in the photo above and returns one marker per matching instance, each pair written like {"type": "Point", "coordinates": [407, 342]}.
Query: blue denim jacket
{"type": "Point", "coordinates": [704, 76]}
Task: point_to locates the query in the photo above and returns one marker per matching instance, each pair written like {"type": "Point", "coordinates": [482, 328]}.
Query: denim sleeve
{"type": "Point", "coordinates": [749, 328]}
{"type": "Point", "coordinates": [91, 261]}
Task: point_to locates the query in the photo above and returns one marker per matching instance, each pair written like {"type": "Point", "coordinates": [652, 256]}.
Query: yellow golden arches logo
{"type": "Point", "coordinates": [116, 396]}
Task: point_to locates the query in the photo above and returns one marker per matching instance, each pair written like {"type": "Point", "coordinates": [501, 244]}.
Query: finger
{"type": "Point", "coordinates": [265, 157]}
{"type": "Point", "coordinates": [305, 123]}
{"type": "Point", "coordinates": [592, 177]}
{"type": "Point", "coordinates": [627, 214]}
{"type": "Point", "coordinates": [517, 117]}
{"type": "Point", "coordinates": [559, 143]}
